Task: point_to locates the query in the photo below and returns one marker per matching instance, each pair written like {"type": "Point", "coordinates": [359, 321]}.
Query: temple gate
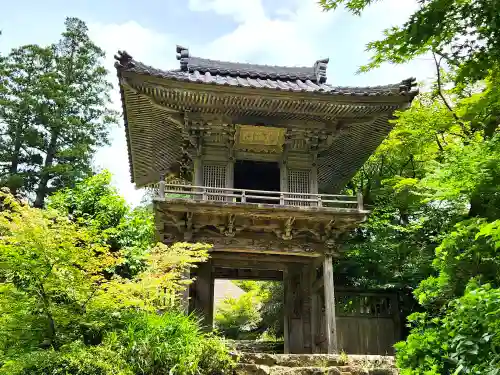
{"type": "Point", "coordinates": [251, 159]}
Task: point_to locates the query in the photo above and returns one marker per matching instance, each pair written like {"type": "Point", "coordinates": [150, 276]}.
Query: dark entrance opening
{"type": "Point", "coordinates": [257, 175]}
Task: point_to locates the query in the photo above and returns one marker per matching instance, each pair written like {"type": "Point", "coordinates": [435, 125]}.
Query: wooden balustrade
{"type": "Point", "coordinates": [204, 193]}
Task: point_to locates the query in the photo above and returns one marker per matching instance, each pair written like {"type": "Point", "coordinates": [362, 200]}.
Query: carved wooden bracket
{"type": "Point", "coordinates": [287, 235]}
{"type": "Point", "coordinates": [230, 232]}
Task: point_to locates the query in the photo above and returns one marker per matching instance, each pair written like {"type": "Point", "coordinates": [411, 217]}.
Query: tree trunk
{"type": "Point", "coordinates": [41, 191]}
{"type": "Point", "coordinates": [15, 158]}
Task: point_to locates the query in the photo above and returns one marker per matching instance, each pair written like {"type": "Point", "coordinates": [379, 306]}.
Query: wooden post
{"type": "Point", "coordinates": [204, 294]}
{"type": "Point", "coordinates": [331, 323]}
{"type": "Point", "coordinates": [286, 317]}
{"type": "Point", "coordinates": [320, 203]}
{"type": "Point", "coordinates": [305, 289]}
{"type": "Point", "coordinates": [161, 187]}
{"type": "Point", "coordinates": [360, 200]}
{"type": "Point", "coordinates": [314, 309]}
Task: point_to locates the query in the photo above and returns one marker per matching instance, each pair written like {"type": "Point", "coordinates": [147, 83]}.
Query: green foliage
{"type": "Point", "coordinates": [470, 251]}
{"type": "Point", "coordinates": [215, 358]}
{"type": "Point", "coordinates": [51, 269]}
{"type": "Point", "coordinates": [54, 113]}
{"type": "Point", "coordinates": [464, 32]}
{"type": "Point", "coordinates": [58, 288]}
{"type": "Point", "coordinates": [75, 359]}
{"type": "Point", "coordinates": [257, 312]}
{"type": "Point", "coordinates": [434, 187]}
{"type": "Point", "coordinates": [170, 343]}
{"type": "Point", "coordinates": [396, 246]}
{"type": "Point", "coordinates": [464, 340]}
{"type": "Point", "coordinates": [237, 316]}
{"type": "Point", "coordinates": [95, 203]}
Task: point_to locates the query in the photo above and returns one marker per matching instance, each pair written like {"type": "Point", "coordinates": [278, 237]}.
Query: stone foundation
{"type": "Point", "coordinates": [314, 364]}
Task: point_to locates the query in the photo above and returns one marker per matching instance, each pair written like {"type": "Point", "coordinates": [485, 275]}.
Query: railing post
{"type": "Point", "coordinates": [360, 200]}
{"type": "Point", "coordinates": [282, 199]}
{"type": "Point", "coordinates": [204, 194]}
{"type": "Point", "coordinates": [320, 203]}
{"type": "Point", "coordinates": [243, 197]}
{"type": "Point", "coordinates": [161, 187]}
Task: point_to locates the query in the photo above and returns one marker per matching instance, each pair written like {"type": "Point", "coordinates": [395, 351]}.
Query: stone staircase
{"type": "Point", "coordinates": [313, 364]}
{"type": "Point", "coordinates": [253, 346]}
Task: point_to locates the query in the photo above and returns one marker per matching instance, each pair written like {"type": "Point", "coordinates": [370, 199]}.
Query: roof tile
{"type": "Point", "coordinates": [259, 76]}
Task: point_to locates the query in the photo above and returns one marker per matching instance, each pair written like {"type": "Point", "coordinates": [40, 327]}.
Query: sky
{"type": "Point", "coordinates": [273, 32]}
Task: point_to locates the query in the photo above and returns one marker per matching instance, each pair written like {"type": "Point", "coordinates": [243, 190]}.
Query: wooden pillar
{"type": "Point", "coordinates": [293, 336]}
{"type": "Point", "coordinates": [315, 310]}
{"type": "Point", "coordinates": [305, 288]}
{"type": "Point", "coordinates": [287, 308]}
{"type": "Point", "coordinates": [297, 287]}
{"type": "Point", "coordinates": [202, 295]}
{"type": "Point", "coordinates": [331, 324]}
{"type": "Point", "coordinates": [198, 171]}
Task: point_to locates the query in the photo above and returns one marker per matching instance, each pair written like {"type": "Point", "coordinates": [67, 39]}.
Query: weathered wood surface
{"type": "Point", "coordinates": [202, 294]}
{"type": "Point", "coordinates": [247, 274]}
{"type": "Point", "coordinates": [367, 323]}
{"type": "Point", "coordinates": [203, 193]}
{"type": "Point", "coordinates": [330, 321]}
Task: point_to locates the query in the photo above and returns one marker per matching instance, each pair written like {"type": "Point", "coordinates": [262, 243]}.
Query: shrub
{"type": "Point", "coordinates": [465, 339]}
{"type": "Point", "coordinates": [75, 359]}
{"type": "Point", "coordinates": [236, 316]}
{"type": "Point", "coordinates": [215, 358]}
{"type": "Point", "coordinates": [171, 343]}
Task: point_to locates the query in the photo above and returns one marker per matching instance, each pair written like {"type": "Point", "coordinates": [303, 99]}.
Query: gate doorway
{"type": "Point", "coordinates": [249, 308]}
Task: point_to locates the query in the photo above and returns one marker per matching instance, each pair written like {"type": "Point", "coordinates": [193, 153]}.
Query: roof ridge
{"type": "Point", "coordinates": [246, 63]}
{"type": "Point", "coordinates": [405, 87]}
{"type": "Point", "coordinates": [315, 73]}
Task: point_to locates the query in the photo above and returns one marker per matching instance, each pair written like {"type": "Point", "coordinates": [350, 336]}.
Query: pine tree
{"type": "Point", "coordinates": [79, 120]}
{"type": "Point", "coordinates": [21, 105]}
{"type": "Point", "coordinates": [54, 113]}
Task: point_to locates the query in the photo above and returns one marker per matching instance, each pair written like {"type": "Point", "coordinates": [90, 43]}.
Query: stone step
{"type": "Point", "coordinates": [253, 369]}
{"type": "Point", "coordinates": [252, 346]}
{"type": "Point", "coordinates": [317, 360]}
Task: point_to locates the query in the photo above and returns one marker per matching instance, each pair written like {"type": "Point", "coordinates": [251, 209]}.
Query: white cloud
{"type": "Point", "coordinates": [296, 35]}
{"type": "Point", "coordinates": [291, 39]}
{"type": "Point", "coordinates": [240, 11]}
{"type": "Point", "coordinates": [154, 48]}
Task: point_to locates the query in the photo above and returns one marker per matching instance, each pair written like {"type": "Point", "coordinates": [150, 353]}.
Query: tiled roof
{"type": "Point", "coordinates": [198, 70]}
{"type": "Point", "coordinates": [315, 73]}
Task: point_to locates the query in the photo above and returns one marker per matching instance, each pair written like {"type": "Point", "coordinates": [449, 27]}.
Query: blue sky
{"type": "Point", "coordinates": [281, 32]}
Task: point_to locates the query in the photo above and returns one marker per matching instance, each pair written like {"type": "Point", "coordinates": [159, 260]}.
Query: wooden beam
{"type": "Point", "coordinates": [258, 258]}
{"type": "Point", "coordinates": [331, 324]}
{"type": "Point", "coordinates": [247, 274]}
{"type": "Point", "coordinates": [248, 264]}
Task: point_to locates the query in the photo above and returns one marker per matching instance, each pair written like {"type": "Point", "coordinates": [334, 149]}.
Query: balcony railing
{"type": "Point", "coordinates": [205, 193]}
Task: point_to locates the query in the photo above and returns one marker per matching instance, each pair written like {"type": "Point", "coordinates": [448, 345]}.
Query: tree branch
{"type": "Point", "coordinates": [439, 143]}
{"type": "Point", "coordinates": [441, 95]}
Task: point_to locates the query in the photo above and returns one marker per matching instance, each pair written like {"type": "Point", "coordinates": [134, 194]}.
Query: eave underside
{"type": "Point", "coordinates": [155, 114]}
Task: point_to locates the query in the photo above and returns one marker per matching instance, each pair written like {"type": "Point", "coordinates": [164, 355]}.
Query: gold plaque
{"type": "Point", "coordinates": [260, 138]}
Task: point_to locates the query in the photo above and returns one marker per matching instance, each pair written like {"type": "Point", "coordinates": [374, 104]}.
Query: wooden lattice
{"type": "Point", "coordinates": [364, 305]}
{"type": "Point", "coordinates": [214, 175]}
{"type": "Point", "coordinates": [298, 182]}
